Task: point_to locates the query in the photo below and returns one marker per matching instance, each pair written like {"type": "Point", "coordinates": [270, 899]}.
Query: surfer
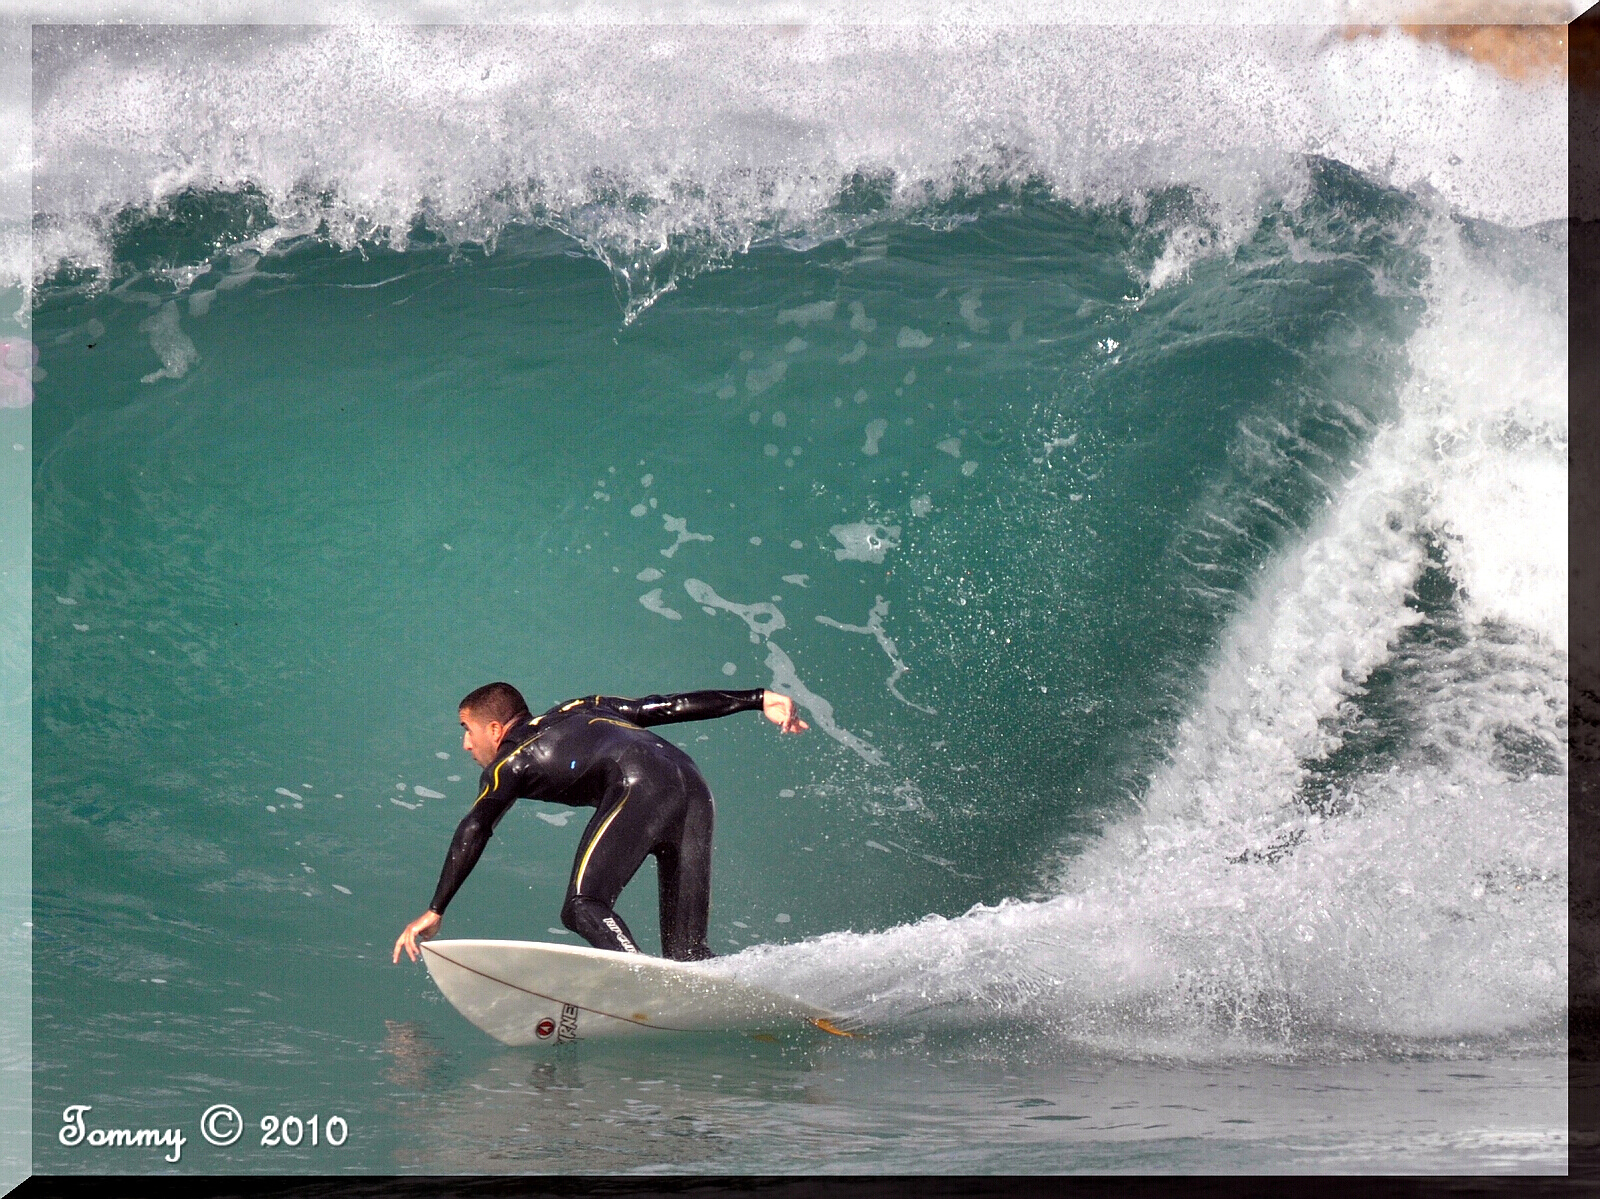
{"type": "Point", "coordinates": [648, 796]}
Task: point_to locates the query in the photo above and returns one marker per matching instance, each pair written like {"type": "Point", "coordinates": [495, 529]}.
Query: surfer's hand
{"type": "Point", "coordinates": [779, 709]}
{"type": "Point", "coordinates": [421, 929]}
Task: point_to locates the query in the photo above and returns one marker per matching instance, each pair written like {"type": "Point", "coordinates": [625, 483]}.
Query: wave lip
{"type": "Point", "coordinates": [662, 149]}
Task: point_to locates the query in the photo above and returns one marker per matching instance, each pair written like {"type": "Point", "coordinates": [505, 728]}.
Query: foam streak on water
{"type": "Point", "coordinates": [1245, 907]}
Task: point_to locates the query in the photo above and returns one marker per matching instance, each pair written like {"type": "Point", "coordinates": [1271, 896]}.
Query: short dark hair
{"type": "Point", "coordinates": [495, 701]}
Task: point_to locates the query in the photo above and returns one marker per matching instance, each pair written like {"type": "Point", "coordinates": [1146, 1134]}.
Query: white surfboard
{"type": "Point", "coordinates": [535, 993]}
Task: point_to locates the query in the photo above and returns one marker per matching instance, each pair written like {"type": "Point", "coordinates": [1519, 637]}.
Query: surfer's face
{"type": "Point", "coordinates": [480, 738]}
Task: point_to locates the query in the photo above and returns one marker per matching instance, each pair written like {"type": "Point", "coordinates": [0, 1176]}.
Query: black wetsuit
{"type": "Point", "coordinates": [648, 797]}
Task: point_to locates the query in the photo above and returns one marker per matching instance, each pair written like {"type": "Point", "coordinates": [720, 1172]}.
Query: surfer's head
{"type": "Point", "coordinates": [485, 715]}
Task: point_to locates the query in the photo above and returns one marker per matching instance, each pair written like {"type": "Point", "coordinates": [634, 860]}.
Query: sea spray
{"type": "Point", "coordinates": [368, 133]}
{"type": "Point", "coordinates": [1423, 900]}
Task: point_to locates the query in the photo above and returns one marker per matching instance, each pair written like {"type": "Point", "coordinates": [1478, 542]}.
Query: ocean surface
{"type": "Point", "coordinates": [1141, 452]}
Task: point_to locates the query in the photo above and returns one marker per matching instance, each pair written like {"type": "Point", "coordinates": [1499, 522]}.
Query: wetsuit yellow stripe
{"type": "Point", "coordinates": [494, 785]}
{"type": "Point", "coordinates": [621, 724]}
{"type": "Point", "coordinates": [577, 886]}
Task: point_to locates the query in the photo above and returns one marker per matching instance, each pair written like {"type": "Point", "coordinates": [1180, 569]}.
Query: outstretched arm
{"type": "Point", "coordinates": [466, 847]}
{"type": "Point", "coordinates": [706, 705]}
{"type": "Point", "coordinates": [690, 705]}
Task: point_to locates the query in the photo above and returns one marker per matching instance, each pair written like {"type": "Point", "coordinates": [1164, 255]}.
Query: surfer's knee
{"type": "Point", "coordinates": [597, 924]}
{"type": "Point", "coordinates": [569, 913]}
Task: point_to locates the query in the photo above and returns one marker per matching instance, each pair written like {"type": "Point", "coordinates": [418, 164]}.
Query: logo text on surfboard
{"type": "Point", "coordinates": [569, 1023]}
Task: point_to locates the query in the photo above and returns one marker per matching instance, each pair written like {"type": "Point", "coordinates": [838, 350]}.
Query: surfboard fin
{"type": "Point", "coordinates": [828, 1026]}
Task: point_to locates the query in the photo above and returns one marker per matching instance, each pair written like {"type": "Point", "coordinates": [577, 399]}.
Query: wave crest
{"type": "Point", "coordinates": [664, 150]}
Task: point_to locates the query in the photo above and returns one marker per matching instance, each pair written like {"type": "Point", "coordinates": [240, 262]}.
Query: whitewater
{"type": "Point", "coordinates": [1239, 910]}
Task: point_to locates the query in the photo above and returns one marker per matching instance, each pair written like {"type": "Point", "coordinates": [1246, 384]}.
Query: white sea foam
{"type": "Point", "coordinates": [679, 525]}
{"type": "Point", "coordinates": [864, 541]}
{"type": "Point", "coordinates": [970, 303]}
{"type": "Point", "coordinates": [874, 433]}
{"type": "Point", "coordinates": [18, 369]}
{"type": "Point", "coordinates": [1183, 247]}
{"type": "Point", "coordinates": [653, 601]}
{"type": "Point", "coordinates": [170, 342]}
{"type": "Point", "coordinates": [807, 314]}
{"type": "Point", "coordinates": [763, 620]}
{"type": "Point", "coordinates": [874, 628]}
{"type": "Point", "coordinates": [757, 381]}
{"type": "Point", "coordinates": [1424, 902]}
{"type": "Point", "coordinates": [720, 136]}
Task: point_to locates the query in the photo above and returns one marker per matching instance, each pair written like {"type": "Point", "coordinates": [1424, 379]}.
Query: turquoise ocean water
{"type": "Point", "coordinates": [1162, 528]}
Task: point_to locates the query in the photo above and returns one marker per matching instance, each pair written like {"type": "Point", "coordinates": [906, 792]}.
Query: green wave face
{"type": "Point", "coordinates": [996, 489]}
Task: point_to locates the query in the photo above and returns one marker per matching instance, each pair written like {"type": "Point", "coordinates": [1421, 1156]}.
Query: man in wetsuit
{"type": "Point", "coordinates": [648, 797]}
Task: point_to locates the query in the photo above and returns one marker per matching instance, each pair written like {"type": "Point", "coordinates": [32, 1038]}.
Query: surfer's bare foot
{"type": "Point", "coordinates": [423, 928]}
